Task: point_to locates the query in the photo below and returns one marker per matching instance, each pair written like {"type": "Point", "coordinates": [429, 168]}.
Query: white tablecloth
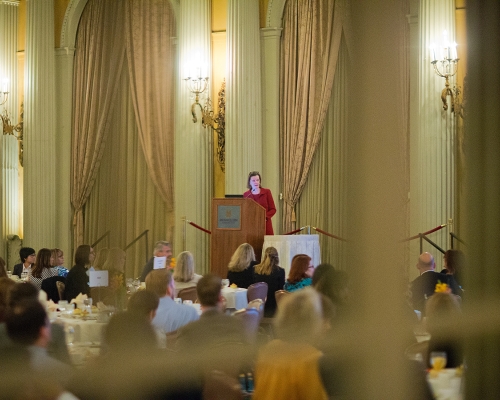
{"type": "Point", "coordinates": [235, 298]}
{"type": "Point", "coordinates": [86, 331]}
{"type": "Point", "coordinates": [446, 385]}
{"type": "Point", "coordinates": [290, 245]}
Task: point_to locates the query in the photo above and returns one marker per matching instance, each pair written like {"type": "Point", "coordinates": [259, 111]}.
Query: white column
{"type": "Point", "coordinates": [64, 102]}
{"type": "Point", "coordinates": [39, 127]}
{"type": "Point", "coordinates": [432, 164]}
{"type": "Point", "coordinates": [193, 143]}
{"type": "Point", "coordinates": [270, 42]}
{"type": "Point", "coordinates": [243, 101]}
{"type": "Point", "coordinates": [9, 199]}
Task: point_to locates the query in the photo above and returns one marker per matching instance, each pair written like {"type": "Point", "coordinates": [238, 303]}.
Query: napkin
{"type": "Point", "coordinates": [78, 300]}
{"type": "Point", "coordinates": [51, 306]}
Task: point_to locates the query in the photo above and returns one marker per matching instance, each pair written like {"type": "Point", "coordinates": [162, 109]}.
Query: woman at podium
{"type": "Point", "coordinates": [263, 197]}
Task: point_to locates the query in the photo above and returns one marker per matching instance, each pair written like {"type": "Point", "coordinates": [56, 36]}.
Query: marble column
{"type": "Point", "coordinates": [39, 127]}
{"type": "Point", "coordinates": [432, 161]}
{"type": "Point", "coordinates": [270, 50]}
{"type": "Point", "coordinates": [193, 143]}
{"type": "Point", "coordinates": [243, 101]}
{"type": "Point", "coordinates": [10, 167]}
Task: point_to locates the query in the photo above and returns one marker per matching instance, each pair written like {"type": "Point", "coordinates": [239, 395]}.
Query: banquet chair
{"type": "Point", "coordinates": [188, 294]}
{"type": "Point", "coordinates": [49, 286]}
{"type": "Point", "coordinates": [219, 386]}
{"type": "Point", "coordinates": [257, 304]}
{"type": "Point", "coordinates": [251, 319]}
{"type": "Point", "coordinates": [61, 287]}
{"type": "Point", "coordinates": [280, 294]}
{"type": "Point", "coordinates": [257, 291]}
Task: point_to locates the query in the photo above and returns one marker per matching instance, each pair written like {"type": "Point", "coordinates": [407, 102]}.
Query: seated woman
{"type": "Point", "coordinates": [241, 266]}
{"type": "Point", "coordinates": [443, 311]}
{"type": "Point", "coordinates": [299, 325]}
{"type": "Point", "coordinates": [100, 259]}
{"type": "Point", "coordinates": [334, 285]}
{"type": "Point", "coordinates": [115, 265]}
{"type": "Point", "coordinates": [184, 276]}
{"type": "Point", "coordinates": [77, 280]}
{"type": "Point", "coordinates": [43, 268]}
{"type": "Point", "coordinates": [58, 262]}
{"type": "Point", "coordinates": [270, 272]}
{"type": "Point", "coordinates": [301, 272]}
{"type": "Point", "coordinates": [454, 261]}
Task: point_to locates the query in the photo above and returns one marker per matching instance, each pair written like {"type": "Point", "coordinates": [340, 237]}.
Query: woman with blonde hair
{"type": "Point", "coordinates": [115, 265]}
{"type": "Point", "coordinates": [100, 259]}
{"type": "Point", "coordinates": [241, 266]}
{"type": "Point", "coordinates": [58, 261]}
{"type": "Point", "coordinates": [270, 272]}
{"type": "Point", "coordinates": [184, 275]}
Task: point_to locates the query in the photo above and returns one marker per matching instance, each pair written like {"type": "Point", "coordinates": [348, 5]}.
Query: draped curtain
{"type": "Point", "coordinates": [99, 58]}
{"type": "Point", "coordinates": [311, 37]}
{"type": "Point", "coordinates": [150, 30]}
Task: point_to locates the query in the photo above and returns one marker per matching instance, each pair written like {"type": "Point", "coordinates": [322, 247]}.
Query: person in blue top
{"type": "Point", "coordinates": [301, 272]}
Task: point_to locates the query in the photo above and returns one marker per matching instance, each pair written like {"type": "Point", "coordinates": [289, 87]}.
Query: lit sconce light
{"type": "Point", "coordinates": [446, 67]}
{"type": "Point", "coordinates": [8, 128]}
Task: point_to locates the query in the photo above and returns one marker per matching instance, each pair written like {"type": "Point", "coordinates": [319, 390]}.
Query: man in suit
{"type": "Point", "coordinates": [424, 286]}
{"type": "Point", "coordinates": [162, 249]}
{"type": "Point", "coordinates": [28, 258]}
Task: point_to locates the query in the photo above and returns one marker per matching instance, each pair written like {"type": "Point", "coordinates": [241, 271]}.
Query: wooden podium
{"type": "Point", "coordinates": [234, 222]}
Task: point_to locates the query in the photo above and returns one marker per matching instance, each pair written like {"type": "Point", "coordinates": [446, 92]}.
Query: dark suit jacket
{"type": "Point", "coordinates": [275, 281]}
{"type": "Point", "coordinates": [18, 269]}
{"type": "Point", "coordinates": [424, 286]}
{"type": "Point", "coordinates": [243, 279]}
{"type": "Point", "coordinates": [77, 282]}
{"type": "Point", "coordinates": [147, 269]}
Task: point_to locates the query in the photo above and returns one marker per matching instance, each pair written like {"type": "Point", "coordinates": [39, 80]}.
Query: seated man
{"type": "Point", "coordinates": [424, 286]}
{"type": "Point", "coordinates": [162, 249]}
{"type": "Point", "coordinates": [170, 316]}
{"type": "Point", "coordinates": [27, 325]}
{"type": "Point", "coordinates": [28, 258]}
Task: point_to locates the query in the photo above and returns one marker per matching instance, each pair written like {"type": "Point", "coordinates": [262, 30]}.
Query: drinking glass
{"type": "Point", "coordinates": [130, 285]}
{"type": "Point", "coordinates": [137, 284]}
{"type": "Point", "coordinates": [88, 305]}
{"type": "Point", "coordinates": [24, 276]}
{"type": "Point", "coordinates": [438, 360]}
{"type": "Point", "coordinates": [70, 335]}
{"type": "Point", "coordinates": [9, 274]}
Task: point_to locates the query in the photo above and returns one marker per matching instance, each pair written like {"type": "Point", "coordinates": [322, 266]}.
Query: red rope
{"type": "Point", "coordinates": [329, 234]}
{"type": "Point", "coordinates": [437, 228]}
{"type": "Point", "coordinates": [293, 232]}
{"type": "Point", "coordinates": [200, 228]}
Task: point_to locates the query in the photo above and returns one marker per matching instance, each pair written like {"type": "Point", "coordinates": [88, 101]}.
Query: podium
{"type": "Point", "coordinates": [234, 222]}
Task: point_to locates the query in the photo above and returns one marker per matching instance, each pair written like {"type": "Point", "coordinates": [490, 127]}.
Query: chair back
{"type": "Point", "coordinates": [258, 305]}
{"type": "Point", "coordinates": [220, 386]}
{"type": "Point", "coordinates": [279, 295]}
{"type": "Point", "coordinates": [61, 287]}
{"type": "Point", "coordinates": [251, 320]}
{"type": "Point", "coordinates": [49, 286]}
{"type": "Point", "coordinates": [188, 294]}
{"type": "Point", "coordinates": [257, 291]}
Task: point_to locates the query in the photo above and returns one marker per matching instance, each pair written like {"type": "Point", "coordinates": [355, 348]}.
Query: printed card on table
{"type": "Point", "coordinates": [98, 278]}
{"type": "Point", "coordinates": [159, 262]}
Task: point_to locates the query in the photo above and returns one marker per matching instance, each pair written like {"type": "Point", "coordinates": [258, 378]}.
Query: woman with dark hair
{"type": "Point", "coordinates": [454, 261]}
{"type": "Point", "coordinates": [334, 285]}
{"type": "Point", "coordinates": [43, 268]}
{"type": "Point", "coordinates": [261, 196]}
{"type": "Point", "coordinates": [301, 272]}
{"type": "Point", "coordinates": [270, 272]}
{"type": "Point", "coordinates": [77, 280]}
{"type": "Point", "coordinates": [241, 266]}
{"type": "Point", "coordinates": [3, 270]}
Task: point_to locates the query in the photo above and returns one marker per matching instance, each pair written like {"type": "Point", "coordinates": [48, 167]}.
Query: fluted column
{"type": "Point", "coordinates": [9, 200]}
{"type": "Point", "coordinates": [432, 156]}
{"type": "Point", "coordinates": [270, 42]}
{"type": "Point", "coordinates": [40, 202]}
{"type": "Point", "coordinates": [243, 102]}
{"type": "Point", "coordinates": [193, 143]}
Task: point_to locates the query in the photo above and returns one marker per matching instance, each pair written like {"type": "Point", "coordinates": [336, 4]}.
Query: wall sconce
{"type": "Point", "coordinates": [447, 67]}
{"type": "Point", "coordinates": [8, 128]}
{"type": "Point", "coordinates": [197, 86]}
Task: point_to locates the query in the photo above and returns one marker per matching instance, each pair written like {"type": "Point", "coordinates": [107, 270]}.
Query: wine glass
{"type": "Point", "coordinates": [88, 305]}
{"type": "Point", "coordinates": [438, 360]}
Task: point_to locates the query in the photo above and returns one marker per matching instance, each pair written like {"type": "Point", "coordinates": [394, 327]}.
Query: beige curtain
{"type": "Point", "coordinates": [323, 200]}
{"type": "Point", "coordinates": [99, 58]}
{"type": "Point", "coordinates": [309, 52]}
{"type": "Point", "coordinates": [150, 31]}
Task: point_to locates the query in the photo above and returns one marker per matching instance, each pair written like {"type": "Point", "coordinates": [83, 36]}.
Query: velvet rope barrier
{"type": "Point", "coordinates": [328, 234]}
{"type": "Point", "coordinates": [293, 232]}
{"type": "Point", "coordinates": [437, 228]}
{"type": "Point", "coordinates": [199, 227]}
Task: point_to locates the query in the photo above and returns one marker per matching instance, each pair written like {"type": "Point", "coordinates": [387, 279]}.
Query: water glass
{"type": "Point", "coordinates": [70, 335]}
{"type": "Point", "coordinates": [24, 276]}
{"type": "Point", "coordinates": [9, 274]}
{"type": "Point", "coordinates": [438, 360]}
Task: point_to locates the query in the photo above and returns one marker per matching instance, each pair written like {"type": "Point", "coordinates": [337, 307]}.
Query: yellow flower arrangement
{"type": "Point", "coordinates": [442, 288]}
{"type": "Point", "coordinates": [173, 263]}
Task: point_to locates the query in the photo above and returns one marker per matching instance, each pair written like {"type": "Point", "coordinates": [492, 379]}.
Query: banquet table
{"type": "Point", "coordinates": [235, 298]}
{"type": "Point", "coordinates": [85, 330]}
{"type": "Point", "coordinates": [290, 245]}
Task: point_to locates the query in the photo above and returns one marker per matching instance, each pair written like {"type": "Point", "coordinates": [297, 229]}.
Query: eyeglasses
{"type": "Point", "coordinates": [32, 255]}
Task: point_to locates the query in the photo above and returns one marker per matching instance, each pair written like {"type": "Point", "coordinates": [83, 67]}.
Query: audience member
{"type": "Point", "coordinates": [454, 262]}
{"type": "Point", "coordinates": [3, 269]}
{"type": "Point", "coordinates": [58, 262]}
{"type": "Point", "coordinates": [443, 315]}
{"type": "Point", "coordinates": [28, 257]}
{"type": "Point", "coordinates": [241, 266]}
{"type": "Point", "coordinates": [145, 303]}
{"type": "Point", "coordinates": [101, 258]}
{"type": "Point", "coordinates": [115, 265]}
{"type": "Point", "coordinates": [299, 325]}
{"type": "Point", "coordinates": [170, 316]}
{"type": "Point", "coordinates": [77, 280]}
{"type": "Point", "coordinates": [28, 325]}
{"type": "Point", "coordinates": [270, 272]}
{"type": "Point", "coordinates": [43, 268]}
{"type": "Point", "coordinates": [6, 285]}
{"type": "Point", "coordinates": [423, 286]}
{"type": "Point", "coordinates": [162, 249]}
{"type": "Point", "coordinates": [301, 272]}
{"type": "Point", "coordinates": [334, 285]}
{"type": "Point", "coordinates": [184, 275]}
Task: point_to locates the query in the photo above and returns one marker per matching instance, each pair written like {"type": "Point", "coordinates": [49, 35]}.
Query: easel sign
{"type": "Point", "coordinates": [98, 278]}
